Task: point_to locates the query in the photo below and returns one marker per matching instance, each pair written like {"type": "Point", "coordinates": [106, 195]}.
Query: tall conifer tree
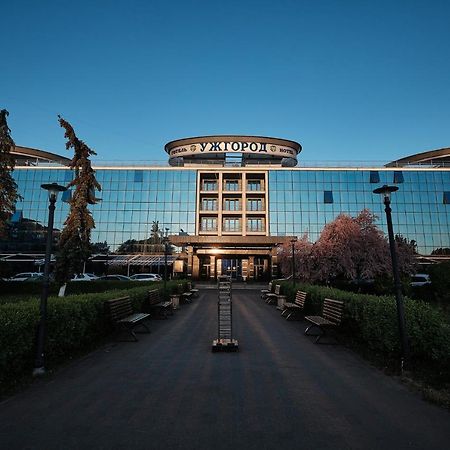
{"type": "Point", "coordinates": [8, 187]}
{"type": "Point", "coordinates": [74, 242]}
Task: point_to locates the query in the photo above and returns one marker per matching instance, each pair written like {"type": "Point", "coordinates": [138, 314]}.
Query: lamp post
{"type": "Point", "coordinates": [386, 191]}
{"type": "Point", "coordinates": [166, 251]}
{"type": "Point", "coordinates": [39, 363]}
{"type": "Point", "coordinates": [293, 241]}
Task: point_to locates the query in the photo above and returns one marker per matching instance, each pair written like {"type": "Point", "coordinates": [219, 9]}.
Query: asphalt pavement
{"type": "Point", "coordinates": [169, 391]}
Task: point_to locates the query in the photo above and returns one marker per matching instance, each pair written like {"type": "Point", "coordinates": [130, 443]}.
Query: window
{"type": "Point", "coordinates": [398, 177]}
{"type": "Point", "coordinates": [138, 176]}
{"type": "Point", "coordinates": [232, 204]}
{"type": "Point", "coordinates": [254, 185]}
{"type": "Point", "coordinates": [328, 196]}
{"type": "Point", "coordinates": [66, 196]}
{"type": "Point", "coordinates": [17, 217]}
{"type": "Point", "coordinates": [209, 224]}
{"type": "Point", "coordinates": [68, 175]}
{"type": "Point", "coordinates": [255, 224]}
{"type": "Point", "coordinates": [209, 185]}
{"type": "Point", "coordinates": [232, 224]}
{"type": "Point", "coordinates": [231, 185]}
{"type": "Point", "coordinates": [209, 204]}
{"type": "Point", "coordinates": [446, 199]}
{"type": "Point", "coordinates": [254, 204]}
{"type": "Point", "coordinates": [374, 176]}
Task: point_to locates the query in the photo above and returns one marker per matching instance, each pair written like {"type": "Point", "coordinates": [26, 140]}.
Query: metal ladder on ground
{"type": "Point", "coordinates": [224, 341]}
{"type": "Point", "coordinates": [224, 309]}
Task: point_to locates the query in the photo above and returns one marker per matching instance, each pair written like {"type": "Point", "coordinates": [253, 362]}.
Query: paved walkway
{"type": "Point", "coordinates": [168, 391]}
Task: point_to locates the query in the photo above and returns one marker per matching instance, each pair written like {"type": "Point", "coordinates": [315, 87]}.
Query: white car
{"type": "Point", "coordinates": [420, 279]}
{"type": "Point", "coordinates": [146, 277]}
{"type": "Point", "coordinates": [84, 277]}
{"type": "Point", "coordinates": [25, 276]}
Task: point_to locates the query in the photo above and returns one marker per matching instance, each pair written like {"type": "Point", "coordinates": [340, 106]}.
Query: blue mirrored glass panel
{"type": "Point", "coordinates": [419, 203]}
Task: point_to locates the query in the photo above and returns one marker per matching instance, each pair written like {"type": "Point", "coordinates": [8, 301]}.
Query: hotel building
{"type": "Point", "coordinates": [228, 202]}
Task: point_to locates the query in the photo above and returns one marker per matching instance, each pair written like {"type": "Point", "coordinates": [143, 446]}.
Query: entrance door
{"type": "Point", "coordinates": [205, 271]}
{"type": "Point", "coordinates": [233, 268]}
{"type": "Point", "coordinates": [260, 269]}
{"type": "Point", "coordinates": [205, 268]}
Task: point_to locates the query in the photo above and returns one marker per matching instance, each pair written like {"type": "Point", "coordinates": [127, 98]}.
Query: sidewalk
{"type": "Point", "coordinates": [169, 391]}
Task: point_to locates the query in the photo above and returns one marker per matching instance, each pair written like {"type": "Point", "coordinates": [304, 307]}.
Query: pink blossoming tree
{"type": "Point", "coordinates": [352, 248]}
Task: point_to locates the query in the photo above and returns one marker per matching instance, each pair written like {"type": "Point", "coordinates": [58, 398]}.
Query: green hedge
{"type": "Point", "coordinates": [11, 291]}
{"type": "Point", "coordinates": [75, 324]}
{"type": "Point", "coordinates": [372, 321]}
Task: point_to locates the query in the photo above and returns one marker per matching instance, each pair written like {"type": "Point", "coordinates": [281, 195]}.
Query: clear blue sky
{"type": "Point", "coordinates": [349, 80]}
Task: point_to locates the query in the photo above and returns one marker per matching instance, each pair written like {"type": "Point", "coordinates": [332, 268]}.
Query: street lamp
{"type": "Point", "coordinates": [386, 191]}
{"type": "Point", "coordinates": [293, 241]}
{"type": "Point", "coordinates": [53, 190]}
{"type": "Point", "coordinates": [166, 251]}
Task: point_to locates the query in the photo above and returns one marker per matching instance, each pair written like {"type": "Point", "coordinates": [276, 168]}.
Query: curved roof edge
{"type": "Point", "coordinates": [231, 138]}
{"type": "Point", "coordinates": [435, 157]}
{"type": "Point", "coordinates": [221, 149]}
{"type": "Point", "coordinates": [22, 153]}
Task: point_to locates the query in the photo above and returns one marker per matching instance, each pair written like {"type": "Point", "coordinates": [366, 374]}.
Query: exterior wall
{"type": "Point", "coordinates": [246, 203]}
{"type": "Point", "coordinates": [131, 200]}
{"type": "Point", "coordinates": [297, 201]}
{"type": "Point", "coordinates": [294, 203]}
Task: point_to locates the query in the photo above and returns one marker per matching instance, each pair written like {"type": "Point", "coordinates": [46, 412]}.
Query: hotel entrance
{"type": "Point", "coordinates": [243, 258]}
{"type": "Point", "coordinates": [232, 267]}
{"type": "Point", "coordinates": [239, 268]}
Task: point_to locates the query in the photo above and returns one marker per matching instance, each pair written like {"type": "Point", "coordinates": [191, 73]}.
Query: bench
{"type": "Point", "coordinates": [121, 313]}
{"type": "Point", "coordinates": [185, 296]}
{"type": "Point", "coordinates": [276, 297]}
{"type": "Point", "coordinates": [294, 309]}
{"type": "Point", "coordinates": [264, 292]}
{"type": "Point", "coordinates": [162, 308]}
{"type": "Point", "coordinates": [193, 291]}
{"type": "Point", "coordinates": [331, 317]}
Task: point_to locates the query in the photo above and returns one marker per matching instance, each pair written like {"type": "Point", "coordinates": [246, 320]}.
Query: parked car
{"type": "Point", "coordinates": [25, 276]}
{"type": "Point", "coordinates": [146, 277]}
{"type": "Point", "coordinates": [84, 277]}
{"type": "Point", "coordinates": [114, 278]}
{"type": "Point", "coordinates": [40, 277]}
{"type": "Point", "coordinates": [420, 279]}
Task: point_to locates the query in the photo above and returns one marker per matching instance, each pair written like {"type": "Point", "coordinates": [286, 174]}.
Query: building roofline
{"type": "Point", "coordinates": [431, 156]}
{"type": "Point", "coordinates": [40, 154]}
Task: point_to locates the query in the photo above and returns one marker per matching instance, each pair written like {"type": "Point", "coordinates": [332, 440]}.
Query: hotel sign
{"type": "Point", "coordinates": [247, 147]}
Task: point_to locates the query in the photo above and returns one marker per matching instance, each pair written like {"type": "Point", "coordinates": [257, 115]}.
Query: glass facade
{"type": "Point", "coordinates": [305, 200]}
{"type": "Point", "coordinates": [299, 201]}
{"type": "Point", "coordinates": [131, 201]}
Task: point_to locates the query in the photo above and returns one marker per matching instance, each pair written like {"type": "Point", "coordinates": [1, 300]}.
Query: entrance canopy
{"type": "Point", "coordinates": [141, 260]}
{"type": "Point", "coordinates": [235, 241]}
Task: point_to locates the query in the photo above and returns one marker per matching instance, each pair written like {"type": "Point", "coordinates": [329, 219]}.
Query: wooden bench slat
{"type": "Point", "coordinates": [272, 297]}
{"type": "Point", "coordinates": [162, 307]}
{"type": "Point", "coordinates": [292, 309]}
{"type": "Point", "coordinates": [264, 292]}
{"type": "Point", "coordinates": [121, 313]}
{"type": "Point", "coordinates": [332, 311]}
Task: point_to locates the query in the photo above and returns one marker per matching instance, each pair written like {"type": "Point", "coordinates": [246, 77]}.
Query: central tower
{"type": "Point", "coordinates": [232, 233]}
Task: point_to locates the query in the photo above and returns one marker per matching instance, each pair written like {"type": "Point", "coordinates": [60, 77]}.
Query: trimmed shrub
{"type": "Point", "coordinates": [372, 321]}
{"type": "Point", "coordinates": [17, 291]}
{"type": "Point", "coordinates": [440, 280]}
{"type": "Point", "coordinates": [75, 324]}
{"type": "Point", "coordinates": [34, 288]}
